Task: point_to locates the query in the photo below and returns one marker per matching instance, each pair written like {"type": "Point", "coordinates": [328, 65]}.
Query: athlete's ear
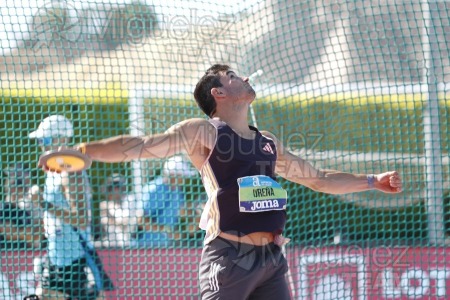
{"type": "Point", "coordinates": [217, 92]}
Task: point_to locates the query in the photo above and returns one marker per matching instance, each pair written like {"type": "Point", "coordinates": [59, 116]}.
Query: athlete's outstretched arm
{"type": "Point", "coordinates": [296, 169]}
{"type": "Point", "coordinates": [125, 148]}
{"type": "Point", "coordinates": [183, 136]}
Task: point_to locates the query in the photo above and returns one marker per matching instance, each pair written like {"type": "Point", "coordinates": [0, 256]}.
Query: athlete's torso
{"type": "Point", "coordinates": [234, 157]}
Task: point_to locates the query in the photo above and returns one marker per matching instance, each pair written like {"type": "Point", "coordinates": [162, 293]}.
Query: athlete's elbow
{"type": "Point", "coordinates": [314, 184]}
{"type": "Point", "coordinates": [325, 186]}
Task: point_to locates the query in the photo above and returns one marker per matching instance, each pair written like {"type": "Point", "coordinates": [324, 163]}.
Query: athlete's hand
{"type": "Point", "coordinates": [388, 182]}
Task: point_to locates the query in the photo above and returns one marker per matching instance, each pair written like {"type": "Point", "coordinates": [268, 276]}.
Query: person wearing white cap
{"type": "Point", "coordinates": [51, 129]}
{"type": "Point", "coordinates": [66, 201]}
{"type": "Point", "coordinates": [163, 198]}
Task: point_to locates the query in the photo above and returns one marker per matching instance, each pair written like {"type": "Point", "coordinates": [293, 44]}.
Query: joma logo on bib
{"type": "Point", "coordinates": [264, 204]}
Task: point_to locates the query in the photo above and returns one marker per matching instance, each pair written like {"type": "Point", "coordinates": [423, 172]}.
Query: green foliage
{"type": "Point", "coordinates": [359, 124]}
{"type": "Point", "coordinates": [394, 125]}
{"type": "Point", "coordinates": [315, 218]}
{"type": "Point", "coordinates": [350, 122]}
{"type": "Point", "coordinates": [92, 119]}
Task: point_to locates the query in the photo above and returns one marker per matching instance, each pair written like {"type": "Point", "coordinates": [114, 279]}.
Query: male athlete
{"type": "Point", "coordinates": [245, 212]}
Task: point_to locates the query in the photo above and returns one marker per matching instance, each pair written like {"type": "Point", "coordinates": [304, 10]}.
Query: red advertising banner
{"type": "Point", "coordinates": [322, 273]}
{"type": "Point", "coordinates": [381, 273]}
{"type": "Point", "coordinates": [136, 273]}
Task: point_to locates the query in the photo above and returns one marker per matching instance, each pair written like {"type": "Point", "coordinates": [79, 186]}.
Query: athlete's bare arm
{"type": "Point", "coordinates": [194, 136]}
{"type": "Point", "coordinates": [296, 169]}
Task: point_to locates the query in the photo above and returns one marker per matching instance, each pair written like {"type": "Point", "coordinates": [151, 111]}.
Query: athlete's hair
{"type": "Point", "coordinates": [202, 92]}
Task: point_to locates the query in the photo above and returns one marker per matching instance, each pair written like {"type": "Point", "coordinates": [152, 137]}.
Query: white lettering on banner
{"type": "Point", "coordinates": [440, 275]}
{"type": "Point", "coordinates": [388, 281]}
{"type": "Point", "coordinates": [343, 260]}
{"type": "Point", "coordinates": [395, 286]}
{"type": "Point", "coordinates": [331, 287]}
{"type": "Point", "coordinates": [423, 283]}
{"type": "Point", "coordinates": [323, 275]}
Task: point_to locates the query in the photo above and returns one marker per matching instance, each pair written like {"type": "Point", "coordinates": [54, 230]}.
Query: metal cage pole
{"type": "Point", "coordinates": [433, 156]}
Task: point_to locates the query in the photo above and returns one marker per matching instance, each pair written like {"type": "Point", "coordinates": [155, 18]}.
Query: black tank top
{"type": "Point", "coordinates": [234, 157]}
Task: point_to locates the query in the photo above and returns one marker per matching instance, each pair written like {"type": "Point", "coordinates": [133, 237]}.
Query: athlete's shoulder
{"type": "Point", "coordinates": [269, 135]}
{"type": "Point", "coordinates": [197, 130]}
{"type": "Point", "coordinates": [193, 123]}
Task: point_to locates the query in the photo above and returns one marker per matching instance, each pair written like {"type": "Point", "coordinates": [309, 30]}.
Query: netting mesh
{"type": "Point", "coordinates": [357, 86]}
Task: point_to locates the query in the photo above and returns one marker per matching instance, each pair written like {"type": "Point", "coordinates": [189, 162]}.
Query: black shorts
{"type": "Point", "coordinates": [71, 280]}
{"type": "Point", "coordinates": [232, 270]}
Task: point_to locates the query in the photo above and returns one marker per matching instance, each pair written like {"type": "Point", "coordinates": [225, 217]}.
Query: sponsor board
{"type": "Point", "coordinates": [316, 273]}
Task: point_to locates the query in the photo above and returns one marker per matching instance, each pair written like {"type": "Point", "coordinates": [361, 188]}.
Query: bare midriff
{"type": "Point", "coordinates": [254, 238]}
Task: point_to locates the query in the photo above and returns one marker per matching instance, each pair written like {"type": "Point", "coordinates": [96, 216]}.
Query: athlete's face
{"type": "Point", "coordinates": [237, 87]}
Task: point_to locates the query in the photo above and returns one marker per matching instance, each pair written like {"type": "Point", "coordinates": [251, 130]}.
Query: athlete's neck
{"type": "Point", "coordinates": [239, 126]}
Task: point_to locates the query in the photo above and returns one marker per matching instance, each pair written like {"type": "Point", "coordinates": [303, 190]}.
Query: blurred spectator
{"type": "Point", "coordinates": [21, 220]}
{"type": "Point", "coordinates": [66, 201]}
{"type": "Point", "coordinates": [117, 213]}
{"type": "Point", "coordinates": [163, 198]}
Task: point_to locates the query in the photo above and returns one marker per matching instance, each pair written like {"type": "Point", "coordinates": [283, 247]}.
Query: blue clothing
{"type": "Point", "coordinates": [152, 240]}
{"type": "Point", "coordinates": [68, 245]}
{"type": "Point", "coordinates": [64, 245]}
{"type": "Point", "coordinates": [162, 204]}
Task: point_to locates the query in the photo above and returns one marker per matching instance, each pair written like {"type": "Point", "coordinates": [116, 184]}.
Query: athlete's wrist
{"type": "Point", "coordinates": [371, 178]}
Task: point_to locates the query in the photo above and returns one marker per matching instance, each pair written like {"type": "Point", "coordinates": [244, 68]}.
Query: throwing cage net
{"type": "Point", "coordinates": [357, 86]}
